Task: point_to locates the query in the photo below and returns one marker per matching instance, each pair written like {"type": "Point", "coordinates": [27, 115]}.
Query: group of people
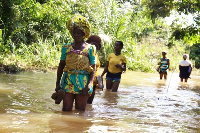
{"type": "Point", "coordinates": [77, 76]}
{"type": "Point", "coordinates": [185, 67]}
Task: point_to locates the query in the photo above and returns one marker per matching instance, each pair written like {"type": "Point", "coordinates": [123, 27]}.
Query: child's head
{"type": "Point", "coordinates": [164, 53]}
{"type": "Point", "coordinates": [95, 40]}
{"type": "Point", "coordinates": [118, 45]}
{"type": "Point", "coordinates": [185, 56]}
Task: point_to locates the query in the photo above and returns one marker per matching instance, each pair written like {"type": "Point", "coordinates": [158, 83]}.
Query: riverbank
{"type": "Point", "coordinates": [16, 69]}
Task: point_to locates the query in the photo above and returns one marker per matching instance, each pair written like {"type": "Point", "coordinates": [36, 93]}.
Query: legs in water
{"type": "Point", "coordinates": [163, 74]}
{"type": "Point", "coordinates": [80, 101]}
{"type": "Point", "coordinates": [68, 102]}
{"type": "Point", "coordinates": [110, 85]}
{"type": "Point", "coordinates": [185, 79]}
{"type": "Point", "coordinates": [115, 86]}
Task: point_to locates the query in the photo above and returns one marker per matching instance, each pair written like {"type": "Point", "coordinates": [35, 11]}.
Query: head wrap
{"type": "Point", "coordinates": [81, 22]}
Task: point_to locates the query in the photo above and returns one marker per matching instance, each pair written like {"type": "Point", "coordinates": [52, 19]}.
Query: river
{"type": "Point", "coordinates": [143, 104]}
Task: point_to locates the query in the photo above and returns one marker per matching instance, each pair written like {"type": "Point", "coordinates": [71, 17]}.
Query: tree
{"type": "Point", "coordinates": [162, 8]}
{"type": "Point", "coordinates": [6, 22]}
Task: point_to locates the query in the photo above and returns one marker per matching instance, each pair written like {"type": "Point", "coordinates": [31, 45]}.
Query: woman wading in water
{"type": "Point", "coordinates": [77, 66]}
{"type": "Point", "coordinates": [116, 64]}
{"type": "Point", "coordinates": [164, 65]}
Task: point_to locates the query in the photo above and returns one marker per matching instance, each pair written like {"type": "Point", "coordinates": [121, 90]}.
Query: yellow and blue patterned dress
{"type": "Point", "coordinates": [164, 65]}
{"type": "Point", "coordinates": [77, 68]}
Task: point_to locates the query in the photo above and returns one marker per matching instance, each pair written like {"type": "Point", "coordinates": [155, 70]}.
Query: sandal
{"type": "Point", "coordinates": [54, 95]}
{"type": "Point", "coordinates": [60, 96]}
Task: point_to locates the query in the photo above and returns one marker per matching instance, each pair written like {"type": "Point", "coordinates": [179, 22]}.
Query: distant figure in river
{"type": "Point", "coordinates": [95, 40]}
{"type": "Point", "coordinates": [164, 65]}
{"type": "Point", "coordinates": [185, 68]}
{"type": "Point", "coordinates": [115, 65]}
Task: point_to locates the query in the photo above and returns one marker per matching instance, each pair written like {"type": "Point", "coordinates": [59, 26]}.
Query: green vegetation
{"type": "Point", "coordinates": [33, 31]}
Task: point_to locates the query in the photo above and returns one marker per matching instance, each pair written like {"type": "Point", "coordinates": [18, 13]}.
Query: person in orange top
{"type": "Point", "coordinates": [115, 65]}
{"type": "Point", "coordinates": [95, 40]}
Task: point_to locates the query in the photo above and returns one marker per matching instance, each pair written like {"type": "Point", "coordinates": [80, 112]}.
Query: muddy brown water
{"type": "Point", "coordinates": [143, 104]}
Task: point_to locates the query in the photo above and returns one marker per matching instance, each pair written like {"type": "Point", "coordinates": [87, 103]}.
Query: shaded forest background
{"type": "Point", "coordinates": [33, 31]}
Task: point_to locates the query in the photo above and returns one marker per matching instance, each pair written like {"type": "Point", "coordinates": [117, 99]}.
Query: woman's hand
{"type": "Point", "coordinates": [122, 67]}
{"type": "Point", "coordinates": [85, 91]}
{"type": "Point", "coordinates": [57, 88]}
{"type": "Point", "coordinates": [118, 65]}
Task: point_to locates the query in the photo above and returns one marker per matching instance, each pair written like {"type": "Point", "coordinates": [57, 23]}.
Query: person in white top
{"type": "Point", "coordinates": [185, 68]}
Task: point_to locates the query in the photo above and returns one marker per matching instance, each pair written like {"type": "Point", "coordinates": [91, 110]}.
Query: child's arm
{"type": "Point", "coordinates": [122, 67]}
{"type": "Point", "coordinates": [168, 63]}
{"type": "Point", "coordinates": [190, 68]}
{"type": "Point", "coordinates": [105, 69]}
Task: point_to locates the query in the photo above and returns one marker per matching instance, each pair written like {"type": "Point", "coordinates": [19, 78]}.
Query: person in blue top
{"type": "Point", "coordinates": [164, 65]}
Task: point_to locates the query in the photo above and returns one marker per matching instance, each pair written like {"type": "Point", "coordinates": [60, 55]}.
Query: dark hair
{"type": "Point", "coordinates": [96, 40]}
{"type": "Point", "coordinates": [121, 43]}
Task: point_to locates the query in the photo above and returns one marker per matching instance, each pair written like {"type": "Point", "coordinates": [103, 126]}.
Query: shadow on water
{"type": "Point", "coordinates": [143, 104]}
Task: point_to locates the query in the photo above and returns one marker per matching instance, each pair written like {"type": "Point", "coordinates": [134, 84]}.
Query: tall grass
{"type": "Point", "coordinates": [143, 56]}
{"type": "Point", "coordinates": [43, 55]}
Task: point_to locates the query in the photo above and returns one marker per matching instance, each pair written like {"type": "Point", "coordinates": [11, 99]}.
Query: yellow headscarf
{"type": "Point", "coordinates": [81, 22]}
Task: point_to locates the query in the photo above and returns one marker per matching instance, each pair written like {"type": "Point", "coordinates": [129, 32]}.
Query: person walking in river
{"type": "Point", "coordinates": [77, 66]}
{"type": "Point", "coordinates": [185, 68]}
{"type": "Point", "coordinates": [115, 65]}
{"type": "Point", "coordinates": [95, 40]}
{"type": "Point", "coordinates": [164, 65]}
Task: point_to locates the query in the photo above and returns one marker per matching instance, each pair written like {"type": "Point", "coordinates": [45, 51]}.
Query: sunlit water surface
{"type": "Point", "coordinates": [142, 104]}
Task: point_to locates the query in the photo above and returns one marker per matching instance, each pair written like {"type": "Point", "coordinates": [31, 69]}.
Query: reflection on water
{"type": "Point", "coordinates": [143, 104]}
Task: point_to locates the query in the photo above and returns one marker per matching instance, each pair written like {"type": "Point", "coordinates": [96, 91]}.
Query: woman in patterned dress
{"type": "Point", "coordinates": [77, 67]}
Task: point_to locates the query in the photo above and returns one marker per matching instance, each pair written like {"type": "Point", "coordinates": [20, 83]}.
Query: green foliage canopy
{"type": "Point", "coordinates": [27, 24]}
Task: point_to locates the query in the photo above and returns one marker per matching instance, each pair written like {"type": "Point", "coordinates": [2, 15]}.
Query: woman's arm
{"type": "Point", "coordinates": [90, 83]}
{"type": "Point", "coordinates": [59, 73]}
{"type": "Point", "coordinates": [105, 69]}
{"type": "Point", "coordinates": [92, 59]}
{"type": "Point", "coordinates": [168, 63]}
{"type": "Point", "coordinates": [190, 68]}
{"type": "Point", "coordinates": [92, 74]}
{"type": "Point", "coordinates": [123, 67]}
